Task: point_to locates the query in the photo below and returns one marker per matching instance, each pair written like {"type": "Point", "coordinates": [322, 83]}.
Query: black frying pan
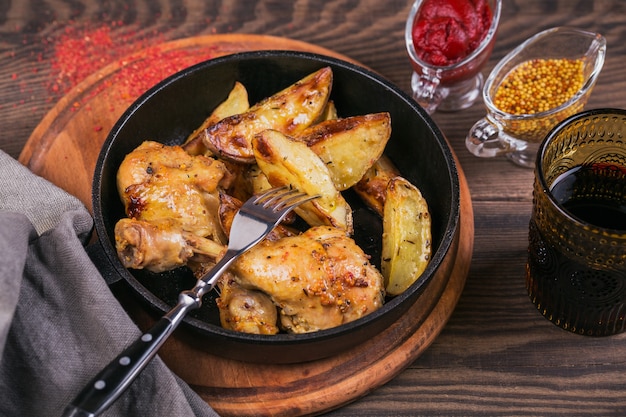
{"type": "Point", "coordinates": [171, 110]}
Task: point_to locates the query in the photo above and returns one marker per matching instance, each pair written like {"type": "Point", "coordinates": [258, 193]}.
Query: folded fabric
{"type": "Point", "coordinates": [59, 322]}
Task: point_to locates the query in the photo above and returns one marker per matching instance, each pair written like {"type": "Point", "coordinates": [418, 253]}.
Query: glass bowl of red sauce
{"type": "Point", "coordinates": [448, 42]}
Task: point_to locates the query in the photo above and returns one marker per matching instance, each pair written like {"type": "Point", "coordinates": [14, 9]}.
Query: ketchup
{"type": "Point", "coordinates": [446, 31]}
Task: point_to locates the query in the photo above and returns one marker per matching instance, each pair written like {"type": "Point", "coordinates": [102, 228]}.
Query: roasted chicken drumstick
{"type": "Point", "coordinates": [159, 245]}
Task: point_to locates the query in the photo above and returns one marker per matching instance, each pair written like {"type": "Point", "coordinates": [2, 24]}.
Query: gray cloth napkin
{"type": "Point", "coordinates": [59, 322]}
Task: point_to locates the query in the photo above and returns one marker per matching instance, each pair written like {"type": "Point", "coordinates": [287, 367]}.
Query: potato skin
{"type": "Point", "coordinates": [289, 111]}
{"type": "Point", "coordinates": [236, 102]}
{"type": "Point", "coordinates": [288, 162]}
{"type": "Point", "coordinates": [350, 146]}
{"type": "Point", "coordinates": [372, 188]}
{"type": "Point", "coordinates": [407, 238]}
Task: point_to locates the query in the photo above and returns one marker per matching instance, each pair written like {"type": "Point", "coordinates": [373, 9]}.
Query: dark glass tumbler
{"type": "Point", "coordinates": [576, 270]}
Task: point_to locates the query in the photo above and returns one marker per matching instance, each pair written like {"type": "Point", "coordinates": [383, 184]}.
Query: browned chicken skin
{"type": "Point", "coordinates": [158, 182]}
{"type": "Point", "coordinates": [318, 280]}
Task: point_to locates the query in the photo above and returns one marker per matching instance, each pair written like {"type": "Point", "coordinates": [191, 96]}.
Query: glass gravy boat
{"type": "Point", "coordinates": [517, 136]}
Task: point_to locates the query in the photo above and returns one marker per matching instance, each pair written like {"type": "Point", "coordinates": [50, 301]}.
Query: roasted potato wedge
{"type": "Point", "coordinates": [350, 146]}
{"type": "Point", "coordinates": [406, 244]}
{"type": "Point", "coordinates": [288, 162]}
{"type": "Point", "coordinates": [257, 179]}
{"type": "Point", "coordinates": [235, 103]}
{"type": "Point", "coordinates": [330, 111]}
{"type": "Point", "coordinates": [228, 208]}
{"type": "Point", "coordinates": [372, 188]}
{"type": "Point", "coordinates": [259, 183]}
{"type": "Point", "coordinates": [289, 111]}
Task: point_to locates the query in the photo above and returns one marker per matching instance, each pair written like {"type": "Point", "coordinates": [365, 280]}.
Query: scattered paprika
{"type": "Point", "coordinates": [81, 50]}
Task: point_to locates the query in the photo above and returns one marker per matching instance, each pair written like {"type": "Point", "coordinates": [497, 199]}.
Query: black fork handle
{"type": "Point", "coordinates": [116, 377]}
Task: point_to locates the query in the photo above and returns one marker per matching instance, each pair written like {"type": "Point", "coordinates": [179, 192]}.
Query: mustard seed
{"type": "Point", "coordinates": [539, 85]}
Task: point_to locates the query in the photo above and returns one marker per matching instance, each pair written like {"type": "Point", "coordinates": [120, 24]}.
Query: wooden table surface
{"type": "Point", "coordinates": [497, 355]}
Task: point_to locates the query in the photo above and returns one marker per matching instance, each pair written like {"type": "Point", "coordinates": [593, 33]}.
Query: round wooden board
{"type": "Point", "coordinates": [64, 148]}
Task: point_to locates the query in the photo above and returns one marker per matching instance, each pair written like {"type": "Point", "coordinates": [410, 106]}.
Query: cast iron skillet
{"type": "Point", "coordinates": [172, 109]}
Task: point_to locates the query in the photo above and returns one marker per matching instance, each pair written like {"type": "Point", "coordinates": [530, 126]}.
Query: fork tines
{"type": "Point", "coordinates": [282, 197]}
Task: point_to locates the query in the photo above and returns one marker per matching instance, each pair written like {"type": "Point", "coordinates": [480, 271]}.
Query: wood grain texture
{"type": "Point", "coordinates": [496, 355]}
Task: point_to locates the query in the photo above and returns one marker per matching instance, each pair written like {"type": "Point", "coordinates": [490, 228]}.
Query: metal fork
{"type": "Point", "coordinates": [254, 220]}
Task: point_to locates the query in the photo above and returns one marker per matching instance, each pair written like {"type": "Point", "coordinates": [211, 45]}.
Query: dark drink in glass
{"type": "Point", "coordinates": [576, 270]}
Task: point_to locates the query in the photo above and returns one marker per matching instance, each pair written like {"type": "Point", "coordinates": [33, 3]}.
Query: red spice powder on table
{"type": "Point", "coordinates": [82, 50]}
